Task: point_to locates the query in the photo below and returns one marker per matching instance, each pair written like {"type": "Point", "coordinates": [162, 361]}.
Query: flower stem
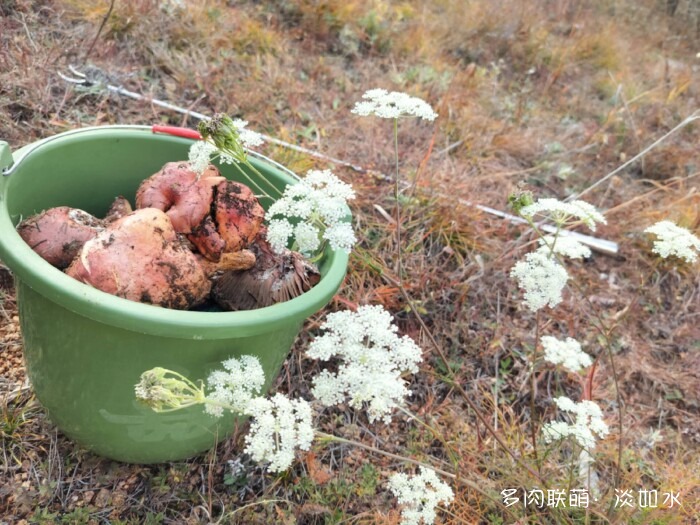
{"type": "Point", "coordinates": [398, 282]}
{"type": "Point", "coordinates": [454, 383]}
{"type": "Point", "coordinates": [252, 181]}
{"type": "Point", "coordinates": [533, 391]}
{"type": "Point", "coordinates": [604, 331]}
{"type": "Point", "coordinates": [399, 262]}
{"type": "Point", "coordinates": [263, 177]}
{"type": "Point", "coordinates": [533, 367]}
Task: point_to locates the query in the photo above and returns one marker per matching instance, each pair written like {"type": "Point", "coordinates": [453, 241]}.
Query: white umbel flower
{"type": "Point", "coordinates": [248, 137]}
{"type": "Point", "coordinates": [235, 386]}
{"type": "Point", "coordinates": [420, 495]}
{"type": "Point", "coordinates": [564, 245]}
{"type": "Point", "coordinates": [278, 233]}
{"type": "Point", "coordinates": [589, 421]}
{"type": "Point", "coordinates": [560, 212]}
{"type": "Point", "coordinates": [567, 353]}
{"type": "Point", "coordinates": [372, 358]}
{"type": "Point", "coordinates": [319, 203]}
{"type": "Point", "coordinates": [306, 237]}
{"type": "Point", "coordinates": [542, 278]}
{"type": "Point", "coordinates": [340, 236]}
{"type": "Point", "coordinates": [674, 240]}
{"type": "Point", "coordinates": [279, 426]}
{"type": "Point", "coordinates": [383, 104]}
{"type": "Point", "coordinates": [200, 155]}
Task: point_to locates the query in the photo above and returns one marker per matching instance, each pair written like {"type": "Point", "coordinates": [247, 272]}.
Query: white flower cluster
{"type": "Point", "coordinates": [381, 103]}
{"type": "Point", "coordinates": [319, 203]}
{"type": "Point", "coordinates": [247, 137]}
{"type": "Point", "coordinates": [564, 245]}
{"type": "Point", "coordinates": [235, 386]}
{"type": "Point", "coordinates": [420, 495]}
{"type": "Point", "coordinates": [674, 240]}
{"type": "Point", "coordinates": [542, 278]}
{"type": "Point", "coordinates": [567, 353]}
{"type": "Point", "coordinates": [589, 420]}
{"type": "Point", "coordinates": [279, 425]}
{"type": "Point", "coordinates": [200, 155]}
{"type": "Point", "coordinates": [201, 151]}
{"type": "Point", "coordinates": [561, 212]}
{"type": "Point", "coordinates": [372, 359]}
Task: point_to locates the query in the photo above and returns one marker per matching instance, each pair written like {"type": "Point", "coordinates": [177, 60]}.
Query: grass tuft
{"type": "Point", "coordinates": [553, 94]}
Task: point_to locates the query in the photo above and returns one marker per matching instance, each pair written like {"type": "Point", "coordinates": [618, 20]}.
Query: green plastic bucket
{"type": "Point", "coordinates": [84, 349]}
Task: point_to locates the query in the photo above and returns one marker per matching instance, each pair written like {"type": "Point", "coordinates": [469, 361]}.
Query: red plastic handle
{"type": "Point", "coordinates": [177, 131]}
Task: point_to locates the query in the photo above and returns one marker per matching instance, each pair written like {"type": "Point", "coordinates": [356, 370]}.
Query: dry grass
{"type": "Point", "coordinates": [555, 94]}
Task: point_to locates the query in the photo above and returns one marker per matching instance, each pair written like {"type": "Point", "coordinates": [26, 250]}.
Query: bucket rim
{"type": "Point", "coordinates": [30, 269]}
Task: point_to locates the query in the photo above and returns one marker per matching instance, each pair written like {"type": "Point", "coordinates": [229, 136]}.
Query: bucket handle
{"type": "Point", "coordinates": [6, 159]}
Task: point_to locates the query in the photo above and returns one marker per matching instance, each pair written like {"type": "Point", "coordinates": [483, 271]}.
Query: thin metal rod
{"type": "Point", "coordinates": [596, 244]}
{"type": "Point", "coordinates": [639, 155]}
{"type": "Point", "coordinates": [83, 80]}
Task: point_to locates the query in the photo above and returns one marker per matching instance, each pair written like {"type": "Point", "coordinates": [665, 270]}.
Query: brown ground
{"type": "Point", "coordinates": [556, 94]}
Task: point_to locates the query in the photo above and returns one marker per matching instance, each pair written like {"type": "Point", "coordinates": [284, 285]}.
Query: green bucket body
{"type": "Point", "coordinates": [85, 349]}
